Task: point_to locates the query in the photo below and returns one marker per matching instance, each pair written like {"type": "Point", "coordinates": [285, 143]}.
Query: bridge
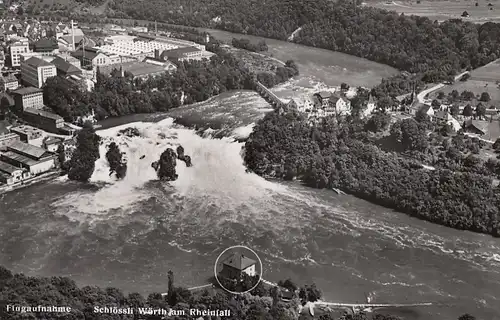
{"type": "Point", "coordinates": [269, 96]}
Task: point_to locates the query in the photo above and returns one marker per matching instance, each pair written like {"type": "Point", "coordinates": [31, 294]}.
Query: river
{"type": "Point", "coordinates": [130, 233]}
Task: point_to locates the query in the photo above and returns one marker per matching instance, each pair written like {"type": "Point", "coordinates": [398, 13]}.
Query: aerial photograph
{"type": "Point", "coordinates": [249, 160]}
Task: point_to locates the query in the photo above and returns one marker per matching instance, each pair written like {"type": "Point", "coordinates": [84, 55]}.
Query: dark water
{"type": "Point", "coordinates": [130, 233]}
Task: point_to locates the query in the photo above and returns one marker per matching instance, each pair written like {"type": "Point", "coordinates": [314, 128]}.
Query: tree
{"type": "Point", "coordinates": [409, 134]}
{"type": "Point", "coordinates": [496, 145]}
{"type": "Point", "coordinates": [115, 161]}
{"type": "Point", "coordinates": [485, 97]}
{"type": "Point", "coordinates": [435, 103]}
{"type": "Point", "coordinates": [82, 162]}
{"type": "Point", "coordinates": [379, 121]}
{"type": "Point", "coordinates": [440, 95]}
{"type": "Point", "coordinates": [344, 86]}
{"type": "Point", "coordinates": [466, 317]}
{"type": "Point", "coordinates": [455, 110]}
{"type": "Point", "coordinates": [467, 112]}
{"type": "Point", "coordinates": [480, 110]}
{"type": "Point", "coordinates": [166, 166]}
{"type": "Point", "coordinates": [465, 14]}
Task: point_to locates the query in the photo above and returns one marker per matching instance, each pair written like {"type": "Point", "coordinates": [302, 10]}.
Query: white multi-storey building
{"type": "Point", "coordinates": [36, 71]}
{"type": "Point", "coordinates": [16, 49]}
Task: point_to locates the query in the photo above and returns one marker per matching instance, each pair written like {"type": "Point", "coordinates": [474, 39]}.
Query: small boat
{"type": "Point", "coordinates": [142, 157]}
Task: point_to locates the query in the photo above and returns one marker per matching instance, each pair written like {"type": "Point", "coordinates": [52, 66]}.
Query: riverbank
{"type": "Point", "coordinates": [31, 181]}
{"type": "Point", "coordinates": [285, 146]}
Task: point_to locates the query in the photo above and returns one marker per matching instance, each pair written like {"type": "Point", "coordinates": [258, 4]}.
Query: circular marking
{"type": "Point", "coordinates": [220, 256]}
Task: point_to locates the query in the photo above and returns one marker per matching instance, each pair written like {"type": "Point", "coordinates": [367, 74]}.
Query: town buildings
{"type": "Point", "coordinates": [23, 155]}
{"type": "Point", "coordinates": [46, 46]}
{"type": "Point", "coordinates": [183, 54]}
{"type": "Point", "coordinates": [65, 68]}
{"type": "Point", "coordinates": [28, 98]}
{"type": "Point", "coordinates": [27, 133]}
{"type": "Point", "coordinates": [47, 121]}
{"type": "Point", "coordinates": [330, 104]}
{"type": "Point", "coordinates": [237, 264]}
{"type": "Point", "coordinates": [52, 143]}
{"type": "Point", "coordinates": [10, 174]}
{"type": "Point", "coordinates": [16, 49]}
{"type": "Point", "coordinates": [7, 139]}
{"type": "Point", "coordinates": [9, 82]}
{"type": "Point", "coordinates": [36, 71]}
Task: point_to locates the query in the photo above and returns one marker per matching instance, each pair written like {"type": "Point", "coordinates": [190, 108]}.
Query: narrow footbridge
{"type": "Point", "coordinates": [269, 95]}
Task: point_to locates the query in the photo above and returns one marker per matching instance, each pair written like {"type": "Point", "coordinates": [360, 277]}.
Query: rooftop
{"type": "Point", "coordinates": [135, 68]}
{"type": "Point", "coordinates": [65, 66]}
{"type": "Point", "coordinates": [19, 158]}
{"type": "Point", "coordinates": [28, 149]}
{"type": "Point", "coordinates": [8, 168]}
{"type": "Point", "coordinates": [43, 113]}
{"type": "Point", "coordinates": [180, 51]}
{"type": "Point", "coordinates": [27, 90]}
{"type": "Point", "coordinates": [37, 62]}
{"type": "Point", "coordinates": [238, 261]}
{"type": "Point", "coordinates": [46, 44]}
{"type": "Point", "coordinates": [24, 128]}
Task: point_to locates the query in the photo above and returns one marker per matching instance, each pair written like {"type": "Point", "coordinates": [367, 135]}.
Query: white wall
{"type": "Point", "coordinates": [42, 167]}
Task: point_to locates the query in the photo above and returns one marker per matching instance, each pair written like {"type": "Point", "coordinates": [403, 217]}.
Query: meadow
{"type": "Point", "coordinates": [442, 10]}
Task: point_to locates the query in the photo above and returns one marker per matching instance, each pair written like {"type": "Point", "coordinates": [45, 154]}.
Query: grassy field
{"type": "Point", "coordinates": [483, 79]}
{"type": "Point", "coordinates": [442, 10]}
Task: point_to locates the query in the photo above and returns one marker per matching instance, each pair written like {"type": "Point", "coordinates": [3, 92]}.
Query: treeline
{"type": "Point", "coordinates": [247, 45]}
{"type": "Point", "coordinates": [410, 43]}
{"type": "Point", "coordinates": [340, 155]}
{"type": "Point", "coordinates": [193, 81]}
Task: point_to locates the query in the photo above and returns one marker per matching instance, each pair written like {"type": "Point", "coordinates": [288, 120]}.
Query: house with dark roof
{"type": "Point", "coordinates": [46, 45]}
{"type": "Point", "coordinates": [64, 68]}
{"type": "Point", "coordinates": [45, 120]}
{"type": "Point", "coordinates": [36, 160]}
{"type": "Point", "coordinates": [10, 174]}
{"type": "Point", "coordinates": [91, 57]}
{"type": "Point", "coordinates": [236, 264]}
{"type": "Point", "coordinates": [476, 126]}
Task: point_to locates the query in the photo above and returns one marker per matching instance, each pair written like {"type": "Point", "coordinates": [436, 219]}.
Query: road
{"type": "Point", "coordinates": [422, 94]}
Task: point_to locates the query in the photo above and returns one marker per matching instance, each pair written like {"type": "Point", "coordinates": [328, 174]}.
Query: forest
{"type": "Point", "coordinates": [409, 43]}
{"type": "Point", "coordinates": [459, 192]}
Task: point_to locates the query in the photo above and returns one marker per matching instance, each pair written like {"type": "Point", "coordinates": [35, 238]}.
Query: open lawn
{"type": "Point", "coordinates": [483, 79]}
{"type": "Point", "coordinates": [443, 10]}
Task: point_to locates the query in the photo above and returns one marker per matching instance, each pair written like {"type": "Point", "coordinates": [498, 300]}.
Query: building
{"type": "Point", "coordinates": [91, 57]}
{"type": "Point", "coordinates": [46, 46]}
{"type": "Point", "coordinates": [51, 143]}
{"type": "Point", "coordinates": [476, 127]}
{"type": "Point", "coordinates": [331, 104]}
{"type": "Point", "coordinates": [2, 59]}
{"type": "Point", "coordinates": [237, 264]}
{"type": "Point", "coordinates": [36, 160]}
{"type": "Point", "coordinates": [28, 98]}
{"type": "Point", "coordinates": [36, 71]}
{"type": "Point", "coordinates": [9, 82]}
{"type": "Point", "coordinates": [183, 54]}
{"type": "Point", "coordinates": [10, 174]}
{"type": "Point", "coordinates": [137, 70]}
{"type": "Point", "coordinates": [65, 68]}
{"type": "Point", "coordinates": [7, 139]}
{"type": "Point", "coordinates": [16, 49]}
{"type": "Point", "coordinates": [370, 106]}
{"type": "Point", "coordinates": [443, 117]}
{"type": "Point", "coordinates": [27, 133]}
{"type": "Point", "coordinates": [44, 120]}
{"type": "Point", "coordinates": [286, 295]}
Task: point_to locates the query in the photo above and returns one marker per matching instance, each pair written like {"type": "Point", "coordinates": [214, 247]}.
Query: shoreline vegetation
{"type": "Point", "coordinates": [337, 153]}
